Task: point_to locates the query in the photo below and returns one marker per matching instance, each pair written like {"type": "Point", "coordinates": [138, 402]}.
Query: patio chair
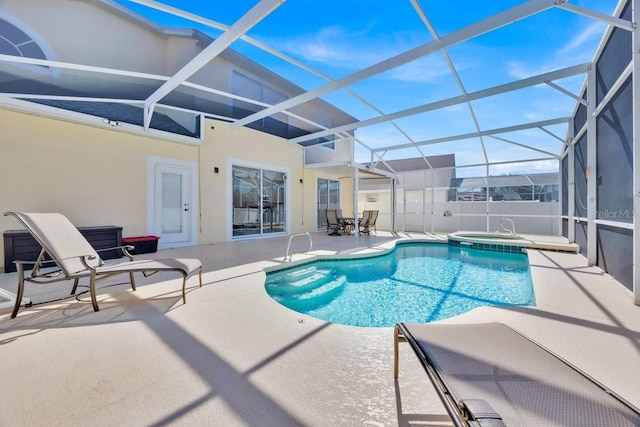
{"type": "Point", "coordinates": [372, 222]}
{"type": "Point", "coordinates": [71, 257]}
{"type": "Point", "coordinates": [333, 223]}
{"type": "Point", "coordinates": [490, 375]}
{"type": "Point", "coordinates": [347, 222]}
{"type": "Point", "coordinates": [363, 223]}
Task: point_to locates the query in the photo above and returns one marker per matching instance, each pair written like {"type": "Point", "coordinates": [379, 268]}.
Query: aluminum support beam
{"type": "Point", "coordinates": [497, 21]}
{"type": "Point", "coordinates": [433, 198]}
{"type": "Point", "coordinates": [393, 204]}
{"type": "Point", "coordinates": [566, 92]}
{"type": "Point", "coordinates": [489, 132]}
{"type": "Point", "coordinates": [218, 26]}
{"type": "Point", "coordinates": [486, 197]}
{"type": "Point", "coordinates": [79, 67]}
{"type": "Point", "coordinates": [613, 90]}
{"type": "Point", "coordinates": [508, 141]}
{"type": "Point", "coordinates": [611, 20]}
{"type": "Point", "coordinates": [569, 152]}
{"type": "Point", "coordinates": [506, 162]}
{"type": "Point", "coordinates": [553, 135]}
{"type": "Point", "coordinates": [636, 154]}
{"type": "Point", "coordinates": [242, 25]}
{"type": "Point", "coordinates": [485, 93]}
{"type": "Point", "coordinates": [117, 72]}
{"type": "Point", "coordinates": [453, 70]}
{"type": "Point", "coordinates": [592, 170]}
{"type": "Point", "coordinates": [571, 188]}
{"type": "Point", "coordinates": [356, 226]}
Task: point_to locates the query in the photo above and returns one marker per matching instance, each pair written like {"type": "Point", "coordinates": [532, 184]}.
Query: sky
{"type": "Point", "coordinates": [339, 38]}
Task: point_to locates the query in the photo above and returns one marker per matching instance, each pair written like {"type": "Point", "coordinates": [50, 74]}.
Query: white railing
{"type": "Point", "coordinates": [503, 228]}
{"type": "Point", "coordinates": [290, 255]}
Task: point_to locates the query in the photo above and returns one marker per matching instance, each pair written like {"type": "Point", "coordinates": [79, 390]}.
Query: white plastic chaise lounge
{"type": "Point", "coordinates": [491, 375]}
{"type": "Point", "coordinates": [72, 257]}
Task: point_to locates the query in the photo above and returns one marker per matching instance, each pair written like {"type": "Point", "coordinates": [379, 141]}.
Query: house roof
{"type": "Point", "coordinates": [122, 113]}
{"type": "Point", "coordinates": [119, 95]}
{"type": "Point", "coordinates": [538, 179]}
{"type": "Point", "coordinates": [415, 173]}
{"type": "Point", "coordinates": [418, 163]}
{"type": "Point", "coordinates": [467, 107]}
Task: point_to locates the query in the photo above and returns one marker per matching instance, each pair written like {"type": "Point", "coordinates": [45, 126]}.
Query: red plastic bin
{"type": "Point", "coordinates": [142, 244]}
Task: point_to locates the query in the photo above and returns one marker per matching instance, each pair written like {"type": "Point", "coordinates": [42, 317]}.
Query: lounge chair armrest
{"type": "Point", "coordinates": [125, 250]}
{"type": "Point", "coordinates": [481, 413]}
{"type": "Point", "coordinates": [22, 262]}
{"type": "Point", "coordinates": [84, 260]}
{"type": "Point", "coordinates": [35, 271]}
{"type": "Point", "coordinates": [36, 274]}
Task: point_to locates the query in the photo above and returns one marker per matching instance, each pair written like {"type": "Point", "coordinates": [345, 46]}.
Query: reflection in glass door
{"type": "Point", "coordinates": [259, 201]}
{"type": "Point", "coordinates": [273, 201]}
{"type": "Point", "coordinates": [328, 198]}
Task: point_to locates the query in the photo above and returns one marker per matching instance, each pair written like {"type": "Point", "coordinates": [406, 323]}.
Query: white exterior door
{"type": "Point", "coordinates": [172, 205]}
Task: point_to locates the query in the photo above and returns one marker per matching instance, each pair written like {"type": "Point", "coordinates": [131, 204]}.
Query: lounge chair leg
{"type": "Point", "coordinates": [92, 290]}
{"type": "Point", "coordinates": [398, 337]}
{"type": "Point", "coordinates": [184, 288]}
{"type": "Point", "coordinates": [75, 286]}
{"type": "Point", "coordinates": [395, 352]}
{"type": "Point", "coordinates": [133, 282]}
{"type": "Point", "coordinates": [200, 275]}
{"type": "Point", "coordinates": [20, 294]}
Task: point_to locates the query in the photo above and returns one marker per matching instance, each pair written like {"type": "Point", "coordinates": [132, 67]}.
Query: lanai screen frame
{"type": "Point", "coordinates": [600, 165]}
{"type": "Point", "coordinates": [262, 9]}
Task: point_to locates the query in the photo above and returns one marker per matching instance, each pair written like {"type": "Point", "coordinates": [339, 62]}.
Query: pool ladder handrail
{"type": "Point", "coordinates": [513, 226]}
{"type": "Point", "coordinates": [290, 255]}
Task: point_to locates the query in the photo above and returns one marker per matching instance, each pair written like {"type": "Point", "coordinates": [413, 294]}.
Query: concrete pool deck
{"type": "Point", "coordinates": [232, 356]}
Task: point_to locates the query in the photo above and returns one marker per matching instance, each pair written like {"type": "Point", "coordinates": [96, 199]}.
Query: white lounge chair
{"type": "Point", "coordinates": [489, 374]}
{"type": "Point", "coordinates": [72, 257]}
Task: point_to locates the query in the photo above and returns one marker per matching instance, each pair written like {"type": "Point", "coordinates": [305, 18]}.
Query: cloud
{"type": "Point", "coordinates": [425, 69]}
{"type": "Point", "coordinates": [333, 46]}
{"type": "Point", "coordinates": [580, 48]}
{"type": "Point", "coordinates": [583, 40]}
{"type": "Point", "coordinates": [340, 49]}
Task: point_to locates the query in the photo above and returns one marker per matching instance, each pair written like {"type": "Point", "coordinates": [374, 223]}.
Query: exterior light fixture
{"type": "Point", "coordinates": [112, 123]}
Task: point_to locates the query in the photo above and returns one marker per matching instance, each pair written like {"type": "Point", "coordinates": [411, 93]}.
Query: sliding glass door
{"type": "Point", "coordinates": [328, 198]}
{"type": "Point", "coordinates": [259, 201]}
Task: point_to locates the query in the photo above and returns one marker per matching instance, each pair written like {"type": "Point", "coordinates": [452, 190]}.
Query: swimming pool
{"type": "Point", "coordinates": [416, 282]}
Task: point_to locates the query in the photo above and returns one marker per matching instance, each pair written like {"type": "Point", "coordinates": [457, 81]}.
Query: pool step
{"type": "Point", "coordinates": [297, 274]}
{"type": "Point", "coordinates": [306, 282]}
{"type": "Point", "coordinates": [315, 297]}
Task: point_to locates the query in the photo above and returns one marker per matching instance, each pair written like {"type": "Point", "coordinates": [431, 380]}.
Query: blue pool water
{"type": "Point", "coordinates": [414, 283]}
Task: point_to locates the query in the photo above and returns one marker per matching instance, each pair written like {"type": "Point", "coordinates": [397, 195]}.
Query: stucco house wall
{"type": "Point", "coordinates": [94, 176]}
{"type": "Point", "coordinates": [60, 161]}
{"type": "Point", "coordinates": [99, 177]}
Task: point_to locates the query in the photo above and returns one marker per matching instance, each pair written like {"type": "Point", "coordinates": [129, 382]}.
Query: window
{"type": "Point", "coordinates": [15, 42]}
{"type": "Point", "coordinates": [259, 201]}
{"type": "Point", "coordinates": [249, 88]}
{"type": "Point", "coordinates": [328, 198]}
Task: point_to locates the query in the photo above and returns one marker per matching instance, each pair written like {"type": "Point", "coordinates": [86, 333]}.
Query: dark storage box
{"type": "Point", "coordinates": [19, 245]}
{"type": "Point", "coordinates": [142, 244]}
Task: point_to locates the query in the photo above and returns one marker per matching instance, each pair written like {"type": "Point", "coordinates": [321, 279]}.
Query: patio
{"type": "Point", "coordinates": [232, 356]}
